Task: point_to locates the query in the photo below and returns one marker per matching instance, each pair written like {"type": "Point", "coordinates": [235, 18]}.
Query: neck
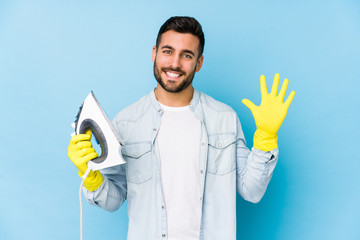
{"type": "Point", "coordinates": [170, 99]}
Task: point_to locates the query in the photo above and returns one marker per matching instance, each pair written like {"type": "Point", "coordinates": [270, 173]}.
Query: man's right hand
{"type": "Point", "coordinates": [80, 152]}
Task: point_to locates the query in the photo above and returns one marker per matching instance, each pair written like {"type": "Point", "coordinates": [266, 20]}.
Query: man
{"type": "Point", "coordinates": [185, 152]}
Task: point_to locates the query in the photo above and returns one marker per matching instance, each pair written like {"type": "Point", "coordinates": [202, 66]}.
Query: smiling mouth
{"type": "Point", "coordinates": [172, 74]}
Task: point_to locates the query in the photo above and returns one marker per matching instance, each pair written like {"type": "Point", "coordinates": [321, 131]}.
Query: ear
{"type": "Point", "coordinates": [153, 53]}
{"type": "Point", "coordinates": [199, 63]}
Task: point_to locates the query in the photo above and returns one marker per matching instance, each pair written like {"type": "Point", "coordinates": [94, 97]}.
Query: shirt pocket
{"type": "Point", "coordinates": [138, 162]}
{"type": "Point", "coordinates": [221, 153]}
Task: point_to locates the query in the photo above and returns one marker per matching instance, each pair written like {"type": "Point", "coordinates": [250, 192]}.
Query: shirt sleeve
{"type": "Point", "coordinates": [112, 193]}
{"type": "Point", "coordinates": [254, 168]}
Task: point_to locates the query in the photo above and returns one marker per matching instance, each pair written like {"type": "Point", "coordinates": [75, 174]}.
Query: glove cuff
{"type": "Point", "coordinates": [264, 141]}
{"type": "Point", "coordinates": [93, 180]}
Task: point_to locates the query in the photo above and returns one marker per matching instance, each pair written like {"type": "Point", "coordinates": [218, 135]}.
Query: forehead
{"type": "Point", "coordinates": [180, 41]}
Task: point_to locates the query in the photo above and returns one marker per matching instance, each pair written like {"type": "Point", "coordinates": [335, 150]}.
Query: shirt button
{"type": "Point", "coordinates": [203, 144]}
{"type": "Point", "coordinates": [201, 171]}
{"type": "Point", "coordinates": [164, 235]}
{"type": "Point", "coordinates": [154, 129]}
{"type": "Point", "coordinates": [219, 145]}
{"type": "Point", "coordinates": [162, 207]}
{"type": "Point", "coordinates": [135, 154]}
{"type": "Point", "coordinates": [200, 198]}
{"type": "Point", "coordinates": [159, 110]}
{"type": "Point", "coordinates": [191, 105]}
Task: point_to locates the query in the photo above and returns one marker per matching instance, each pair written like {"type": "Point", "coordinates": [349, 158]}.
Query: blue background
{"type": "Point", "coordinates": [52, 53]}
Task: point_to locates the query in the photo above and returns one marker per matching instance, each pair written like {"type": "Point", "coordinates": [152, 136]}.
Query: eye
{"type": "Point", "coordinates": [187, 56]}
{"type": "Point", "coordinates": [167, 51]}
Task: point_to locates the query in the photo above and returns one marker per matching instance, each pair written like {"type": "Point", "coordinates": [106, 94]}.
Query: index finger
{"type": "Point", "coordinates": [263, 88]}
{"type": "Point", "coordinates": [79, 137]}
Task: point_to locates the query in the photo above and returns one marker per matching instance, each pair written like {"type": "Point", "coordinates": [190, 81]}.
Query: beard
{"type": "Point", "coordinates": [170, 86]}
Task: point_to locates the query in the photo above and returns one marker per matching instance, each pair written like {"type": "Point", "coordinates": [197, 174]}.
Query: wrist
{"type": "Point", "coordinates": [93, 180]}
{"type": "Point", "coordinates": [265, 141]}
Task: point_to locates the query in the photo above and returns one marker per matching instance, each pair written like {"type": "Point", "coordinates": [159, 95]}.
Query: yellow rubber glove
{"type": "Point", "coordinates": [270, 114]}
{"type": "Point", "coordinates": [80, 152]}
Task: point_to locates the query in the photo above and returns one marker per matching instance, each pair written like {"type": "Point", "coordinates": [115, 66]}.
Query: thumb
{"type": "Point", "coordinates": [249, 104]}
{"type": "Point", "coordinates": [88, 132]}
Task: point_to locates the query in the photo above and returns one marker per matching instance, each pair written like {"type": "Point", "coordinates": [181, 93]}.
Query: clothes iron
{"type": "Point", "coordinates": [91, 116]}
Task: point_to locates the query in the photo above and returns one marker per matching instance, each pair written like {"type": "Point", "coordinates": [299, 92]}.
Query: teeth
{"type": "Point", "coordinates": [172, 74]}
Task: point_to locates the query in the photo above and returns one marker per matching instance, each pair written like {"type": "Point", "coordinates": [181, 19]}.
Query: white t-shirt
{"type": "Point", "coordinates": [178, 142]}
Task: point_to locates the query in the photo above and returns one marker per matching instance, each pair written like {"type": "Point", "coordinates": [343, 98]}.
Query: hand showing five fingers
{"type": "Point", "coordinates": [270, 114]}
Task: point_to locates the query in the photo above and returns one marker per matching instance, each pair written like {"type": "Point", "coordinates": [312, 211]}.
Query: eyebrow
{"type": "Point", "coordinates": [185, 51]}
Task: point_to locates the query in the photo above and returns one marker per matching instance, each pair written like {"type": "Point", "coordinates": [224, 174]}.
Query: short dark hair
{"type": "Point", "coordinates": [183, 25]}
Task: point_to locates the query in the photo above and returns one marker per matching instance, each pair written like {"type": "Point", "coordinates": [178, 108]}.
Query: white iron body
{"type": "Point", "coordinates": [91, 116]}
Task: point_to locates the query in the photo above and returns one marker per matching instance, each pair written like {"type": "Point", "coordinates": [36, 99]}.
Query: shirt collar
{"type": "Point", "coordinates": [193, 104]}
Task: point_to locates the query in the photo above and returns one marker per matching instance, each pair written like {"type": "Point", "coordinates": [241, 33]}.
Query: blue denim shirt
{"type": "Point", "coordinates": [227, 166]}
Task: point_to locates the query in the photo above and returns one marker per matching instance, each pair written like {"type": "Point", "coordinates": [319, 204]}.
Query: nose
{"type": "Point", "coordinates": [175, 61]}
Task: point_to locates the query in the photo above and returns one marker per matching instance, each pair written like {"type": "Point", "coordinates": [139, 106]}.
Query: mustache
{"type": "Point", "coordinates": [165, 69]}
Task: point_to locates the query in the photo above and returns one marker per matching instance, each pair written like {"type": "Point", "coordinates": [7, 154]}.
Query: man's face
{"type": "Point", "coordinates": [176, 60]}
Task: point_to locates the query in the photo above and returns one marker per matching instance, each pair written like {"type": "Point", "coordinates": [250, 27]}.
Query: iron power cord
{"type": "Point", "coordinates": [81, 185]}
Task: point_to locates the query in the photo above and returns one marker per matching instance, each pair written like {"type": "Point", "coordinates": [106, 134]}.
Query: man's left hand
{"type": "Point", "coordinates": [270, 114]}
